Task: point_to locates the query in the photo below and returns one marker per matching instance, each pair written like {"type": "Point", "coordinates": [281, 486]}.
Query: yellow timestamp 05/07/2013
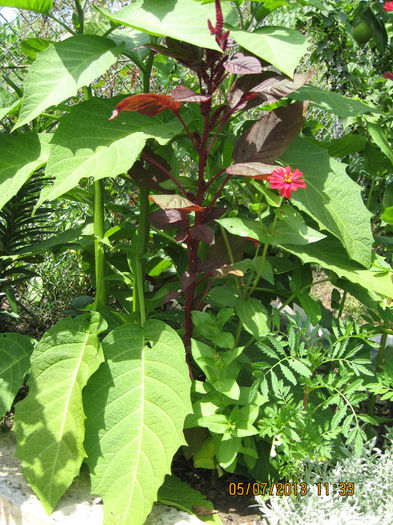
{"type": "Point", "coordinates": [256, 488]}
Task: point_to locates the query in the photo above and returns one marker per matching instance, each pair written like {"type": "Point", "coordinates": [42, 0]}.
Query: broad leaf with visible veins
{"type": "Point", "coordinates": [256, 170]}
{"type": "Point", "coordinates": [280, 46]}
{"type": "Point", "coordinates": [40, 6]}
{"type": "Point", "coordinates": [175, 202]}
{"type": "Point", "coordinates": [331, 256]}
{"type": "Point", "coordinates": [61, 69]}
{"type": "Point", "coordinates": [20, 156]}
{"type": "Point", "coordinates": [271, 135]}
{"type": "Point", "coordinates": [331, 198]}
{"type": "Point", "coordinates": [87, 144]}
{"type": "Point", "coordinates": [276, 87]}
{"type": "Point", "coordinates": [179, 19]}
{"type": "Point", "coordinates": [184, 94]}
{"type": "Point", "coordinates": [49, 422]}
{"type": "Point", "coordinates": [332, 102]}
{"type": "Point", "coordinates": [135, 404]}
{"type": "Point", "coordinates": [7, 102]}
{"type": "Point", "coordinates": [240, 64]}
{"type": "Point", "coordinates": [15, 351]}
{"type": "Point", "coordinates": [150, 104]}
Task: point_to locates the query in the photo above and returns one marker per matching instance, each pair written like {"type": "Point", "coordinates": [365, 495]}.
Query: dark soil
{"type": "Point", "coordinates": [233, 510]}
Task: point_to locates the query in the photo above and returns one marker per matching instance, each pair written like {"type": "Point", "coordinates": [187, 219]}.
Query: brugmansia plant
{"type": "Point", "coordinates": [114, 389]}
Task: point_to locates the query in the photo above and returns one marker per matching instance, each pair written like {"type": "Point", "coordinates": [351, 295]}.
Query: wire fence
{"type": "Point", "coordinates": [59, 278]}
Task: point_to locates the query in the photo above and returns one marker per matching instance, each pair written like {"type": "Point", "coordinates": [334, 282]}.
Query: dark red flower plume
{"type": "Point", "coordinates": [221, 39]}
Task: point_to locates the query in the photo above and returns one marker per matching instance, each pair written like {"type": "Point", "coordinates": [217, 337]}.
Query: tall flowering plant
{"type": "Point", "coordinates": [193, 212]}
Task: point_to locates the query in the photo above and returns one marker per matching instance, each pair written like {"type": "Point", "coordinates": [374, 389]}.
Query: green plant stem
{"type": "Point", "coordinates": [292, 297]}
{"type": "Point", "coordinates": [263, 256]}
{"type": "Point", "coordinates": [143, 225]}
{"type": "Point", "coordinates": [229, 250]}
{"type": "Point", "coordinates": [99, 231]}
{"type": "Point", "coordinates": [381, 352]}
{"type": "Point", "coordinates": [61, 23]}
{"type": "Point", "coordinates": [80, 16]}
{"type": "Point", "coordinates": [143, 237]}
{"type": "Point", "coordinates": [370, 193]}
{"type": "Point", "coordinates": [341, 308]}
{"type": "Point", "coordinates": [99, 249]}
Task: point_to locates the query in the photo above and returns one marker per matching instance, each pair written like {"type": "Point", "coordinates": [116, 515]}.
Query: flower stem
{"type": "Point", "coordinates": [263, 256]}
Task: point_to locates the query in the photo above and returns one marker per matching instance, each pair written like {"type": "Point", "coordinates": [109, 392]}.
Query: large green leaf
{"type": "Point", "coordinates": [135, 404]}
{"type": "Point", "coordinates": [180, 19]}
{"type": "Point", "coordinates": [330, 255]}
{"type": "Point", "coordinates": [40, 6]}
{"type": "Point", "coordinates": [332, 102]}
{"type": "Point", "coordinates": [280, 46]}
{"type": "Point", "coordinates": [331, 198]}
{"type": "Point", "coordinates": [176, 493]}
{"type": "Point", "coordinates": [63, 68]}
{"type": "Point", "coordinates": [87, 144]}
{"type": "Point", "coordinates": [380, 139]}
{"type": "Point", "coordinates": [15, 351]}
{"type": "Point", "coordinates": [282, 234]}
{"type": "Point", "coordinates": [20, 156]}
{"type": "Point", "coordinates": [49, 422]}
{"type": "Point", "coordinates": [253, 316]}
{"type": "Point", "coordinates": [7, 102]}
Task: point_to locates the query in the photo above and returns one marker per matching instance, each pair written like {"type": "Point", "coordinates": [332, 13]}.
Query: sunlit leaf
{"type": "Point", "coordinates": [150, 104]}
{"type": "Point", "coordinates": [175, 202]}
{"type": "Point", "coordinates": [61, 69]}
{"type": "Point", "coordinates": [184, 94]}
{"type": "Point", "coordinates": [256, 170]}
{"type": "Point", "coordinates": [40, 6]}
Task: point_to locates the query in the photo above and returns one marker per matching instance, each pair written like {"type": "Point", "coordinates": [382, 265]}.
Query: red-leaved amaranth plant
{"type": "Point", "coordinates": [254, 153]}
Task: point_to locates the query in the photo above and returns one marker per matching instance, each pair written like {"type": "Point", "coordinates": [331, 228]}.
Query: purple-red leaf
{"type": "Point", "coordinates": [182, 235]}
{"type": "Point", "coordinates": [183, 94]}
{"type": "Point", "coordinates": [274, 88]}
{"type": "Point", "coordinates": [186, 279]}
{"type": "Point", "coordinates": [241, 64]}
{"type": "Point", "coordinates": [165, 219]}
{"type": "Point", "coordinates": [211, 214]}
{"type": "Point", "coordinates": [146, 103]}
{"type": "Point", "coordinates": [244, 85]}
{"type": "Point", "coordinates": [271, 135]}
{"type": "Point", "coordinates": [149, 175]}
{"type": "Point", "coordinates": [174, 202]}
{"type": "Point", "coordinates": [256, 170]}
{"type": "Point", "coordinates": [202, 232]}
{"type": "Point", "coordinates": [173, 294]}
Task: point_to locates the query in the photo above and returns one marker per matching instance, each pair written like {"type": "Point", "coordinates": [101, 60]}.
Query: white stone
{"type": "Point", "coordinates": [20, 506]}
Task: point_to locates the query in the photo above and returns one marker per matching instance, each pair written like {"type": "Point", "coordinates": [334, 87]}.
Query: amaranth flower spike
{"type": "Point", "coordinates": [221, 39]}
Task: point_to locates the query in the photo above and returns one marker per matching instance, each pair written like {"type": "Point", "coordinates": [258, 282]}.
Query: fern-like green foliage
{"type": "Point", "coordinates": [18, 232]}
{"type": "Point", "coordinates": [315, 390]}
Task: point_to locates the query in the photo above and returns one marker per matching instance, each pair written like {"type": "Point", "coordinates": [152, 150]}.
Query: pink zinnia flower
{"type": "Point", "coordinates": [388, 6]}
{"type": "Point", "coordinates": [388, 74]}
{"type": "Point", "coordinates": [286, 180]}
